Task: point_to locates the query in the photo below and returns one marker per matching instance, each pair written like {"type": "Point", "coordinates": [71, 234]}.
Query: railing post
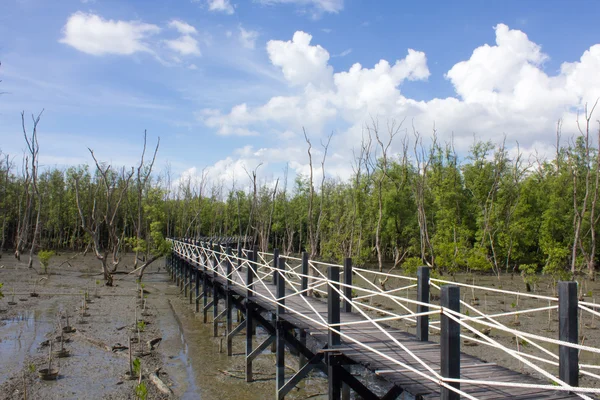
{"type": "Point", "coordinates": [348, 284]}
{"type": "Point", "coordinates": [280, 328]}
{"type": "Point", "coordinates": [303, 288]}
{"type": "Point", "coordinates": [229, 300]}
{"type": "Point", "coordinates": [275, 272]}
{"type": "Point", "coordinates": [450, 341]}
{"type": "Point", "coordinates": [304, 280]}
{"type": "Point", "coordinates": [205, 261]}
{"type": "Point", "coordinates": [197, 276]}
{"type": "Point", "coordinates": [568, 357]}
{"type": "Point", "coordinates": [333, 304]}
{"type": "Point", "coordinates": [249, 319]}
{"type": "Point", "coordinates": [333, 318]}
{"type": "Point", "coordinates": [215, 291]}
{"type": "Point", "coordinates": [423, 297]}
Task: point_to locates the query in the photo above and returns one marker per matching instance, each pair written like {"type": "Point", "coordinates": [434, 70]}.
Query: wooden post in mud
{"type": "Point", "coordinates": [423, 297]}
{"type": "Point", "coordinates": [249, 319]}
{"type": "Point", "coordinates": [229, 300]}
{"type": "Point", "coordinates": [215, 290]}
{"type": "Point", "coordinates": [450, 341]}
{"type": "Point", "coordinates": [280, 328]}
{"type": "Point", "coordinates": [333, 320]}
{"type": "Point", "coordinates": [568, 357]}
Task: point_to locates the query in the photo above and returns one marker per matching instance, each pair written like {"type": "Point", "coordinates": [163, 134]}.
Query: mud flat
{"type": "Point", "coordinates": [187, 358]}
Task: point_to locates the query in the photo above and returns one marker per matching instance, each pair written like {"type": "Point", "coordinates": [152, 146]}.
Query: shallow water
{"type": "Point", "coordinates": [20, 336]}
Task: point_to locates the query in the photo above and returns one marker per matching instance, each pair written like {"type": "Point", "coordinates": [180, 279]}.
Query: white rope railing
{"type": "Point", "coordinates": [263, 271]}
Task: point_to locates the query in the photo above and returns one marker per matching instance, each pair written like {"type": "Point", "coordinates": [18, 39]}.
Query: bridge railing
{"type": "Point", "coordinates": [357, 290]}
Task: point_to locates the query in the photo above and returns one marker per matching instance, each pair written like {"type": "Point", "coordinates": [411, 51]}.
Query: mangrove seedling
{"type": "Point", "coordinates": [44, 256]}
{"type": "Point", "coordinates": [12, 302]}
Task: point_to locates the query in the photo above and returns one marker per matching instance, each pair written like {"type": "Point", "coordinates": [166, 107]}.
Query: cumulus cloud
{"type": "Point", "coordinates": [248, 37]}
{"type": "Point", "coordinates": [223, 6]}
{"type": "Point", "coordinates": [300, 62]}
{"type": "Point", "coordinates": [186, 44]}
{"type": "Point", "coordinates": [95, 35]}
{"type": "Point", "coordinates": [501, 90]}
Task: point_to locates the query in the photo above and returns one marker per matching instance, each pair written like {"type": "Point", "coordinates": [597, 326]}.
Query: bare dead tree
{"type": "Point", "coordinates": [33, 148]}
{"type": "Point", "coordinates": [382, 163]}
{"type": "Point", "coordinates": [7, 167]}
{"type": "Point", "coordinates": [252, 175]}
{"type": "Point", "coordinates": [114, 187]}
{"type": "Point", "coordinates": [583, 210]}
{"type": "Point", "coordinates": [423, 161]}
{"type": "Point", "coordinates": [144, 171]}
{"type": "Point", "coordinates": [314, 226]}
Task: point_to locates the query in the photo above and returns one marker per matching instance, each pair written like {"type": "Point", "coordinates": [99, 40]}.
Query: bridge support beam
{"type": "Point", "coordinates": [215, 292]}
{"type": "Point", "coordinates": [450, 341]}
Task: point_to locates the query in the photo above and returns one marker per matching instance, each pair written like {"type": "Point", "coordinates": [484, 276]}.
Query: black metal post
{"type": "Point", "coordinates": [205, 288]}
{"type": "Point", "coordinates": [423, 297]}
{"type": "Point", "coordinates": [249, 319]}
{"type": "Point", "coordinates": [568, 357]}
{"type": "Point", "coordinates": [450, 341]}
{"type": "Point", "coordinates": [229, 305]}
{"type": "Point", "coordinates": [348, 282]}
{"type": "Point", "coordinates": [280, 341]}
{"type": "Point", "coordinates": [275, 261]}
{"type": "Point", "coordinates": [304, 280]}
{"type": "Point", "coordinates": [333, 318]}
{"type": "Point", "coordinates": [215, 292]}
{"type": "Point", "coordinates": [197, 276]}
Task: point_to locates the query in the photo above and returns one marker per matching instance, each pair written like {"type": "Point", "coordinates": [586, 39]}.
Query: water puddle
{"type": "Point", "coordinates": [20, 336]}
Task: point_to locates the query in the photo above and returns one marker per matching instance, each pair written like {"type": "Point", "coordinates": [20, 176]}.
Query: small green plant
{"type": "Point", "coordinates": [141, 391]}
{"type": "Point", "coordinates": [97, 281]}
{"type": "Point", "coordinates": [31, 367]}
{"type": "Point", "coordinates": [141, 325]}
{"type": "Point", "coordinates": [44, 256]}
{"type": "Point", "coordinates": [137, 366]}
{"type": "Point", "coordinates": [1, 294]}
{"type": "Point", "coordinates": [513, 304]}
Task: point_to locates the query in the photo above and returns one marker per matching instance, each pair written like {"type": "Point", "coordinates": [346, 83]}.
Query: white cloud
{"type": "Point", "coordinates": [330, 6]}
{"type": "Point", "coordinates": [343, 53]}
{"type": "Point", "coordinates": [501, 89]}
{"type": "Point", "coordinates": [248, 37]}
{"type": "Point", "coordinates": [193, 67]}
{"type": "Point", "coordinates": [186, 44]}
{"type": "Point", "coordinates": [183, 27]}
{"type": "Point", "coordinates": [300, 62]}
{"type": "Point", "coordinates": [220, 6]}
{"type": "Point", "coordinates": [94, 35]}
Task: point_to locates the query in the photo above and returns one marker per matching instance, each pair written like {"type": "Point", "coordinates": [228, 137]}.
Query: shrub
{"type": "Point", "coordinates": [44, 256]}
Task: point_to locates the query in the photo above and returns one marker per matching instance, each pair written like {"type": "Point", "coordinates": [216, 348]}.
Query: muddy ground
{"type": "Point", "coordinates": [188, 358]}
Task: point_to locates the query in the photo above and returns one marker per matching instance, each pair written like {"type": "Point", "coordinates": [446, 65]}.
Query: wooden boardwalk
{"type": "Point", "coordinates": [264, 304]}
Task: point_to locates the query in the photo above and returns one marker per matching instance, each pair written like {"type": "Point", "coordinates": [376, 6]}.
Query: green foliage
{"type": "Point", "coordinates": [1, 293]}
{"type": "Point", "coordinates": [141, 391]}
{"type": "Point", "coordinates": [44, 256]}
{"type": "Point", "coordinates": [529, 274]}
{"type": "Point", "coordinates": [141, 325]}
{"type": "Point", "coordinates": [411, 265]}
{"type": "Point", "coordinates": [136, 366]}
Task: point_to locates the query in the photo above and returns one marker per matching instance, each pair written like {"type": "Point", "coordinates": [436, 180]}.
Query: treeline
{"type": "Point", "coordinates": [489, 210]}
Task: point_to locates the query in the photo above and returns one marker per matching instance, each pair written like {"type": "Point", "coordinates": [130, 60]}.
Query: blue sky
{"type": "Point", "coordinates": [230, 84]}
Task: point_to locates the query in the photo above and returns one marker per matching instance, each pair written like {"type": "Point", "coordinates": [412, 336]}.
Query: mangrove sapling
{"type": "Point", "coordinates": [62, 353]}
{"type": "Point", "coordinates": [12, 302]}
{"type": "Point", "coordinates": [48, 374]}
{"type": "Point", "coordinates": [44, 256]}
{"type": "Point", "coordinates": [67, 328]}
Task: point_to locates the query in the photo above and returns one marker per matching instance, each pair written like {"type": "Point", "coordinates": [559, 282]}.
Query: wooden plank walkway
{"type": "Point", "coordinates": [420, 387]}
